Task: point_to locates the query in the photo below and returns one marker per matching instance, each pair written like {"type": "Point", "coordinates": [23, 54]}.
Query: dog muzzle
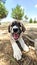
{"type": "Point", "coordinates": [15, 36]}
{"type": "Point", "coordinates": [16, 32]}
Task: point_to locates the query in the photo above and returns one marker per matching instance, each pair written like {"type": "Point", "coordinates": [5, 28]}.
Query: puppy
{"type": "Point", "coordinates": [16, 29]}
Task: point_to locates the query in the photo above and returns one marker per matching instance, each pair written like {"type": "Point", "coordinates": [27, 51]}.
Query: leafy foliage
{"type": "Point", "coordinates": [30, 21]}
{"type": "Point", "coordinates": [17, 12]}
{"type": "Point", "coordinates": [3, 11]}
{"type": "Point", "coordinates": [35, 20]}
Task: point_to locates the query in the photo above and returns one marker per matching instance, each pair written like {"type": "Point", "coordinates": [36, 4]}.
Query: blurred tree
{"type": "Point", "coordinates": [26, 18]}
{"type": "Point", "coordinates": [3, 1]}
{"type": "Point", "coordinates": [35, 20]}
{"type": "Point", "coordinates": [30, 21]}
{"type": "Point", "coordinates": [17, 12]}
{"type": "Point", "coordinates": [3, 11]}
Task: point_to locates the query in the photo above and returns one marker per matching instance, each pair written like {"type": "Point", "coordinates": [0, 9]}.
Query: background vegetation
{"type": "Point", "coordinates": [3, 10]}
{"type": "Point", "coordinates": [17, 13]}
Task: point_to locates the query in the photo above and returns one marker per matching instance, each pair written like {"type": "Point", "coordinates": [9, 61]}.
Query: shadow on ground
{"type": "Point", "coordinates": [6, 55]}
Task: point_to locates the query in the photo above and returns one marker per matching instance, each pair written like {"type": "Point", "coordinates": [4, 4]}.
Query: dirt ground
{"type": "Point", "coordinates": [6, 53]}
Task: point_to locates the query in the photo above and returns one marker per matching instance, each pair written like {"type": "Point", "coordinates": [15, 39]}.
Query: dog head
{"type": "Point", "coordinates": [16, 28]}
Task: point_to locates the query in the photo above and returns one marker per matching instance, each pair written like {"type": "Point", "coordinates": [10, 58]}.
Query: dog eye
{"type": "Point", "coordinates": [12, 25]}
{"type": "Point", "coordinates": [19, 24]}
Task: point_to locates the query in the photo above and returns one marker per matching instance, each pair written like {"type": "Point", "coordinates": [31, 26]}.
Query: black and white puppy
{"type": "Point", "coordinates": [16, 29]}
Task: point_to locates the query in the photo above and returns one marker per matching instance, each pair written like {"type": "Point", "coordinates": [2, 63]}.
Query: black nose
{"type": "Point", "coordinates": [15, 29]}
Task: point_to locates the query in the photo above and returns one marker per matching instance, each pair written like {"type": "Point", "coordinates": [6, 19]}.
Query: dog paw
{"type": "Point", "coordinates": [17, 55]}
{"type": "Point", "coordinates": [26, 49]}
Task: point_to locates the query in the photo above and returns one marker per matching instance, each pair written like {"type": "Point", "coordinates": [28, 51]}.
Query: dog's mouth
{"type": "Point", "coordinates": [16, 36]}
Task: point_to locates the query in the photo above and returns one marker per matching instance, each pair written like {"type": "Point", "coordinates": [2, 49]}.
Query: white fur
{"type": "Point", "coordinates": [24, 46]}
{"type": "Point", "coordinates": [15, 26]}
{"type": "Point", "coordinates": [16, 51]}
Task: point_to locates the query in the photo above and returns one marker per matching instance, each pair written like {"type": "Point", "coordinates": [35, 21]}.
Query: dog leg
{"type": "Point", "coordinates": [24, 46]}
{"type": "Point", "coordinates": [16, 51]}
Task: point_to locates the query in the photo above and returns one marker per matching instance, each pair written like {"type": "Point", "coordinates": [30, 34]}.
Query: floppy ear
{"type": "Point", "coordinates": [9, 28]}
{"type": "Point", "coordinates": [23, 28]}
